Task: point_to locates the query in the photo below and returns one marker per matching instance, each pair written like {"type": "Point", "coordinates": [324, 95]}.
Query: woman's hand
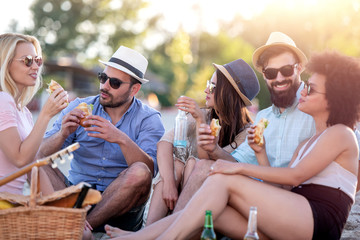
{"type": "Point", "coordinates": [56, 102]}
{"type": "Point", "coordinates": [224, 167]}
{"type": "Point", "coordinates": [205, 140]}
{"type": "Point", "coordinates": [189, 105]}
{"type": "Point", "coordinates": [170, 195]}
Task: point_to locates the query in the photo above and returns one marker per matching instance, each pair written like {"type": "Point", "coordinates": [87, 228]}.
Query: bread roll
{"type": "Point", "coordinates": [215, 127]}
{"type": "Point", "coordinates": [259, 131]}
{"type": "Point", "coordinates": [87, 109]}
{"type": "Point", "coordinates": [52, 86]}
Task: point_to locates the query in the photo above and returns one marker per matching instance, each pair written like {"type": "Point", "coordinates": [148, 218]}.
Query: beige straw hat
{"type": "Point", "coordinates": [278, 39]}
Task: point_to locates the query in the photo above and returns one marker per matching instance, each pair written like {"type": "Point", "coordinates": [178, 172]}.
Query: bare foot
{"type": "Point", "coordinates": [113, 232]}
{"type": "Point", "coordinates": [87, 235]}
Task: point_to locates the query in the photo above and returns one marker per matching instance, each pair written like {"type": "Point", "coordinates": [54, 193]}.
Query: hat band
{"type": "Point", "coordinates": [236, 79]}
{"type": "Point", "coordinates": [136, 71]}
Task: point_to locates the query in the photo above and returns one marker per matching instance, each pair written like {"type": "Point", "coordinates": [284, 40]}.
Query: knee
{"type": "Point", "coordinates": [138, 174]}
{"type": "Point", "coordinates": [201, 168]}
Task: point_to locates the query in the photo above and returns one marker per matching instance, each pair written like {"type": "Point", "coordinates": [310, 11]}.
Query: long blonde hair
{"type": "Point", "coordinates": [8, 43]}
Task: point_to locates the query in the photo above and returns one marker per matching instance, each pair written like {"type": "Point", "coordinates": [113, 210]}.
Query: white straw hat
{"type": "Point", "coordinates": [130, 62]}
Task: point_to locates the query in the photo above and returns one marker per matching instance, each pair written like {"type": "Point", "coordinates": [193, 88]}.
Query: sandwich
{"type": "Point", "coordinates": [215, 127]}
{"type": "Point", "coordinates": [52, 86]}
{"type": "Point", "coordinates": [87, 109]}
{"type": "Point", "coordinates": [259, 131]}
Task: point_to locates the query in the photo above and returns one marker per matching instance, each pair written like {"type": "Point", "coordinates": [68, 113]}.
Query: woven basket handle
{"type": "Point", "coordinates": [34, 186]}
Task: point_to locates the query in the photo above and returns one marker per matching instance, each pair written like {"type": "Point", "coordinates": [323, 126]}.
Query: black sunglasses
{"type": "Point", "coordinates": [286, 71]}
{"type": "Point", "coordinates": [115, 83]}
{"type": "Point", "coordinates": [28, 60]}
{"type": "Point", "coordinates": [310, 90]}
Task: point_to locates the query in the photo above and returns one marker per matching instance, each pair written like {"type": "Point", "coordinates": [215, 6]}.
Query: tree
{"type": "Point", "coordinates": [88, 29]}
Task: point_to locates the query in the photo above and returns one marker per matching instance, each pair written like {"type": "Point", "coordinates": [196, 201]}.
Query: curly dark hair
{"type": "Point", "coordinates": [342, 85]}
{"type": "Point", "coordinates": [232, 119]}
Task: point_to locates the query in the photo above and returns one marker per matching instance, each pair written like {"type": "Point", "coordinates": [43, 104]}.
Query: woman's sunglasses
{"type": "Point", "coordinates": [114, 82]}
{"type": "Point", "coordinates": [286, 71]}
{"type": "Point", "coordinates": [28, 60]}
{"type": "Point", "coordinates": [310, 90]}
{"type": "Point", "coordinates": [211, 86]}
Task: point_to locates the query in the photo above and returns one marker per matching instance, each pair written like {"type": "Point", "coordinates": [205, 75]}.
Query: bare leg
{"type": "Point", "coordinates": [45, 184]}
{"type": "Point", "coordinates": [130, 189]}
{"type": "Point", "coordinates": [149, 232]}
{"type": "Point", "coordinates": [55, 176]}
{"type": "Point", "coordinates": [291, 209]}
{"type": "Point", "coordinates": [189, 167]}
{"type": "Point", "coordinates": [195, 180]}
{"type": "Point", "coordinates": [158, 208]}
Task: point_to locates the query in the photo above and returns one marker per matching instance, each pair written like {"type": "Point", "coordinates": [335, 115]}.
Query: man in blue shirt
{"type": "Point", "coordinates": [281, 64]}
{"type": "Point", "coordinates": [117, 153]}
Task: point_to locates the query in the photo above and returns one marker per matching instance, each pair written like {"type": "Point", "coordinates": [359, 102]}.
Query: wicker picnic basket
{"type": "Point", "coordinates": [34, 221]}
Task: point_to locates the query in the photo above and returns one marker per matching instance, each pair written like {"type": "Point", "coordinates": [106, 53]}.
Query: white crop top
{"type": "Point", "coordinates": [334, 175]}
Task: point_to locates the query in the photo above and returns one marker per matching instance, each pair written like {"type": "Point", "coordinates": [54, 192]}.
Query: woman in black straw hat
{"type": "Point", "coordinates": [228, 93]}
{"type": "Point", "coordinates": [322, 175]}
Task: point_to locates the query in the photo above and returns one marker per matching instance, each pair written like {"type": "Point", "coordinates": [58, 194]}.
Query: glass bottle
{"type": "Point", "coordinates": [208, 232]}
{"type": "Point", "coordinates": [251, 233]}
{"type": "Point", "coordinates": [180, 135]}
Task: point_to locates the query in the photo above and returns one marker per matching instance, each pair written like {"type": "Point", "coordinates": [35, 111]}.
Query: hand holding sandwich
{"type": "Point", "coordinates": [255, 136]}
{"type": "Point", "coordinates": [57, 101]}
{"type": "Point", "coordinates": [102, 128]}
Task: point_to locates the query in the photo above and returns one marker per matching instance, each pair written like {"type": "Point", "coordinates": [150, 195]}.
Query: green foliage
{"type": "Point", "coordinates": [87, 29]}
{"type": "Point", "coordinates": [90, 29]}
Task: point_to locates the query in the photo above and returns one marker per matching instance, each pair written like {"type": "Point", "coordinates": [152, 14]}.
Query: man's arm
{"type": "Point", "coordinates": [63, 127]}
{"type": "Point", "coordinates": [51, 145]}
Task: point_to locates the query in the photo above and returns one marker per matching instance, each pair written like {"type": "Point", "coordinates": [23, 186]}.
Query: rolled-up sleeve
{"type": "Point", "coordinates": [150, 133]}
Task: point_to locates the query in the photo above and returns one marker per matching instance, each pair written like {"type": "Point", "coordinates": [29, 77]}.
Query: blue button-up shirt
{"type": "Point", "coordinates": [284, 133]}
{"type": "Point", "coordinates": [99, 162]}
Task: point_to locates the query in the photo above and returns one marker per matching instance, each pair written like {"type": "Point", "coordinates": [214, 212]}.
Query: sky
{"type": "Point", "coordinates": [12, 10]}
{"type": "Point", "coordinates": [188, 13]}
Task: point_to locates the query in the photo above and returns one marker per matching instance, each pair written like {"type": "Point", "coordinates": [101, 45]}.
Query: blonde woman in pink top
{"type": "Point", "coordinates": [20, 70]}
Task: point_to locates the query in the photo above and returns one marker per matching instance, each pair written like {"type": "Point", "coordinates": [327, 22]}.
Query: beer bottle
{"type": "Point", "coordinates": [251, 233]}
{"type": "Point", "coordinates": [208, 233]}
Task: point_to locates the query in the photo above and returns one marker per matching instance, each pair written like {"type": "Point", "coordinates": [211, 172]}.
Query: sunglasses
{"type": "Point", "coordinates": [286, 71]}
{"type": "Point", "coordinates": [310, 90]}
{"type": "Point", "coordinates": [115, 83]}
{"type": "Point", "coordinates": [28, 60]}
{"type": "Point", "coordinates": [211, 86]}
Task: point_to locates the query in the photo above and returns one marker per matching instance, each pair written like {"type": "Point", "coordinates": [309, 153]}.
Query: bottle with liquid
{"type": "Point", "coordinates": [208, 232]}
{"type": "Point", "coordinates": [180, 135]}
{"type": "Point", "coordinates": [251, 233]}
